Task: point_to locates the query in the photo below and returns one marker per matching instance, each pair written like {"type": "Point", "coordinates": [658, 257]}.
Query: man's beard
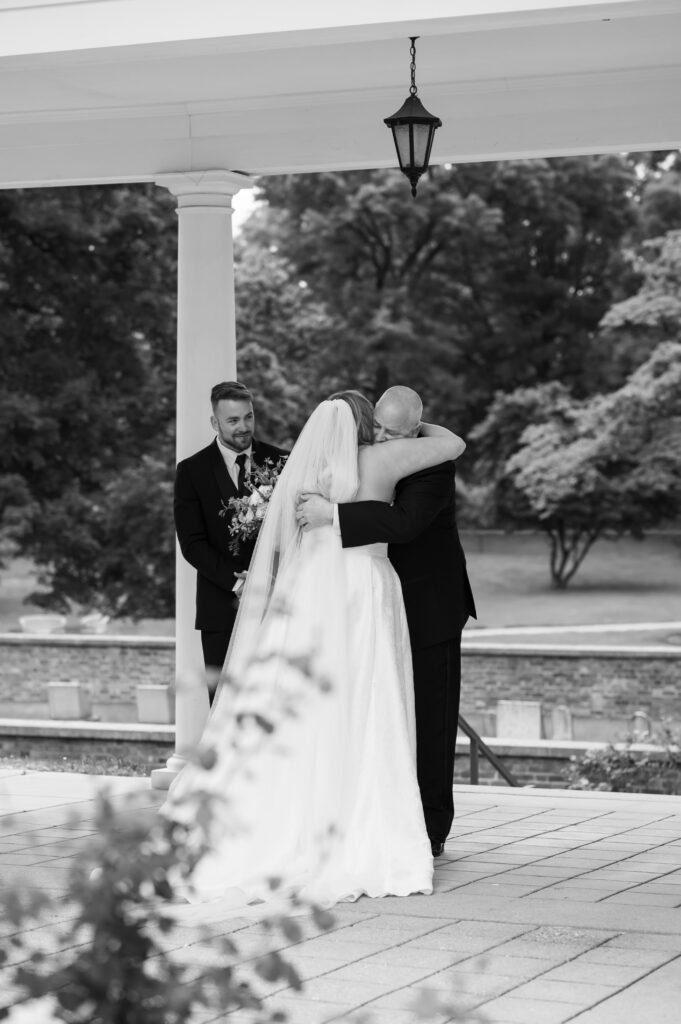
{"type": "Point", "coordinates": [238, 442]}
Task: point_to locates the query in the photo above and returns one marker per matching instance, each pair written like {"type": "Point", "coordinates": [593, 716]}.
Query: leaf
{"type": "Point", "coordinates": [323, 919]}
{"type": "Point", "coordinates": [291, 929]}
{"type": "Point", "coordinates": [271, 967]}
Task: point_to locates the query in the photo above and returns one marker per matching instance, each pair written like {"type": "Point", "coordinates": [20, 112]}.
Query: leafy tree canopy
{"type": "Point", "coordinates": [582, 469]}
{"type": "Point", "coordinates": [87, 328]}
{"type": "Point", "coordinates": [497, 277]}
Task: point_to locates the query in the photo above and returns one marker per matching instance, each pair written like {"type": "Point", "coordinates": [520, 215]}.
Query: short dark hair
{"type": "Point", "coordinates": [362, 410]}
{"type": "Point", "coordinates": [231, 390]}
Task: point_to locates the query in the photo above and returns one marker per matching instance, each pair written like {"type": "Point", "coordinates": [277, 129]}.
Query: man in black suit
{"type": "Point", "coordinates": [204, 483]}
{"type": "Point", "coordinates": [425, 550]}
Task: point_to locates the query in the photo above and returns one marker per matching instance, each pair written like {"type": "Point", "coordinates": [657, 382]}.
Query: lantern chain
{"type": "Point", "coordinates": [412, 51]}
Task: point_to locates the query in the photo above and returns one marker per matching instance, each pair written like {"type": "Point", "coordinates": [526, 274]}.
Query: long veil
{"type": "Point", "coordinates": [323, 460]}
{"type": "Point", "coordinates": [287, 666]}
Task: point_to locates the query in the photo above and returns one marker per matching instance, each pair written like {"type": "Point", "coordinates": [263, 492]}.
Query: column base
{"type": "Point", "coordinates": [162, 777]}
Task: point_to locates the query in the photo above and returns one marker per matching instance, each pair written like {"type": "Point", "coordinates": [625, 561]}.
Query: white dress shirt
{"type": "Point", "coordinates": [229, 457]}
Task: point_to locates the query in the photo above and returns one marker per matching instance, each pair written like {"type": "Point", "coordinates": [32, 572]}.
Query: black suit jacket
{"type": "Point", "coordinates": [202, 484]}
{"type": "Point", "coordinates": [424, 548]}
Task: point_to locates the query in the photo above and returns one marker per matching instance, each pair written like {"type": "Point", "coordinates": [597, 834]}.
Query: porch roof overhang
{"type": "Point", "coordinates": [124, 90]}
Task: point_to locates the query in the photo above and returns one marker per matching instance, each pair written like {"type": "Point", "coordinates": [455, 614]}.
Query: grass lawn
{"type": "Point", "coordinates": [85, 764]}
{"type": "Point", "coordinates": [620, 581]}
{"type": "Point", "coordinates": [18, 580]}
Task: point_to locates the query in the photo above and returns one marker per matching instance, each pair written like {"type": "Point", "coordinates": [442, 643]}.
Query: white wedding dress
{"type": "Point", "coordinates": [328, 803]}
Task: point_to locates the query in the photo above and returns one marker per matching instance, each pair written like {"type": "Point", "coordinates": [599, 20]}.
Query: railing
{"type": "Point", "coordinates": [478, 746]}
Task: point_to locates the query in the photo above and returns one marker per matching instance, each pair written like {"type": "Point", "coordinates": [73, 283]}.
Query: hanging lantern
{"type": "Point", "coordinates": [413, 129]}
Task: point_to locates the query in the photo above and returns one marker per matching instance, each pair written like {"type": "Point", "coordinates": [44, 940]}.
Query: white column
{"type": "Point", "coordinates": [206, 354]}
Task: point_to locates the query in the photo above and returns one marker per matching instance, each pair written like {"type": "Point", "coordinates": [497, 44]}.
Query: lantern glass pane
{"type": "Point", "coordinates": [422, 137]}
{"type": "Point", "coordinates": [401, 133]}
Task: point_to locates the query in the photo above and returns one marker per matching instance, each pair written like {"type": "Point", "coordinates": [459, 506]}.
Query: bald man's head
{"type": "Point", "coordinates": [397, 414]}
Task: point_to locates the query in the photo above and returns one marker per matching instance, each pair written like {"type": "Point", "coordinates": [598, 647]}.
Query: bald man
{"type": "Point", "coordinates": [425, 550]}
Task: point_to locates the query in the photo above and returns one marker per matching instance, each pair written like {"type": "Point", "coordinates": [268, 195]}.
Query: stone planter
{"type": "Point", "coordinates": [519, 719]}
{"type": "Point", "coordinates": [68, 700]}
{"type": "Point", "coordinates": [43, 624]}
{"type": "Point", "coordinates": [155, 704]}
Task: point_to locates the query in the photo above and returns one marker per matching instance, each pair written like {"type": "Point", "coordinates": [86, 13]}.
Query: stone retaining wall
{"type": "Point", "coordinates": [602, 688]}
{"type": "Point", "coordinates": [111, 667]}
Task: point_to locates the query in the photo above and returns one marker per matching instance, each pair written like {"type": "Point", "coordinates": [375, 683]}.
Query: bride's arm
{"type": "Point", "coordinates": [417, 504]}
{"type": "Point", "coordinates": [402, 457]}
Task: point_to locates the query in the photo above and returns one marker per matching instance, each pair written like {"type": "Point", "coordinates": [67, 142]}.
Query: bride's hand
{"type": "Point", "coordinates": [313, 511]}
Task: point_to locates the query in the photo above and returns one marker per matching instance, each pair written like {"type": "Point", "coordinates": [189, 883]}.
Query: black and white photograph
{"type": "Point", "coordinates": [340, 512]}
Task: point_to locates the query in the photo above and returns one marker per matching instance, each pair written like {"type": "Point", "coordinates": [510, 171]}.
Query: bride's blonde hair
{"type": "Point", "coordinates": [363, 412]}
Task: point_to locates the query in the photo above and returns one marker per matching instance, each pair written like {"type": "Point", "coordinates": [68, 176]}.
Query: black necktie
{"type": "Point", "coordinates": [241, 482]}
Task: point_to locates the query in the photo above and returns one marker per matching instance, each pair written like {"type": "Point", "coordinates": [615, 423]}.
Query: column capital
{"type": "Point", "coordinates": [204, 188]}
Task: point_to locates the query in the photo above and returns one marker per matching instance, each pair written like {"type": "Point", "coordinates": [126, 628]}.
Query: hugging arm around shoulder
{"type": "Point", "coordinates": [419, 501]}
{"type": "Point", "coordinates": [193, 537]}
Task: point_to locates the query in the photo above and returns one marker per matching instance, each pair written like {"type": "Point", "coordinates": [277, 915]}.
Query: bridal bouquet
{"type": "Point", "coordinates": [246, 513]}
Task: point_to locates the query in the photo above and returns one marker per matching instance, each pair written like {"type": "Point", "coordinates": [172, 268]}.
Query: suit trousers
{"type": "Point", "coordinates": [214, 646]}
{"type": "Point", "coordinates": [437, 688]}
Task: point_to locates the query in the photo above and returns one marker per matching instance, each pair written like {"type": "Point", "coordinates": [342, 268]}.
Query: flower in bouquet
{"type": "Point", "coordinates": [245, 514]}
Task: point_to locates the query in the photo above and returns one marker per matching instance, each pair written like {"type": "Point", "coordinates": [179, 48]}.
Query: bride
{"type": "Point", "coordinates": [312, 731]}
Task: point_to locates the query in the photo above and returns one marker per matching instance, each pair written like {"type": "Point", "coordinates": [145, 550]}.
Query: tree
{"type": "Point", "coordinates": [634, 326]}
{"type": "Point", "coordinates": [87, 336]}
{"type": "Point", "coordinates": [655, 309]}
{"type": "Point", "coordinates": [496, 278]}
{"type": "Point", "coordinates": [281, 330]}
{"type": "Point", "coordinates": [603, 466]}
{"type": "Point", "coordinates": [120, 559]}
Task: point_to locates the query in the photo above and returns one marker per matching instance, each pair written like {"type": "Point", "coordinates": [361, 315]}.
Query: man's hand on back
{"type": "Point", "coordinates": [314, 511]}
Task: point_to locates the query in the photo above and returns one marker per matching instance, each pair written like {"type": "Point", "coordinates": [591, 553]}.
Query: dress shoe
{"type": "Point", "coordinates": [437, 847]}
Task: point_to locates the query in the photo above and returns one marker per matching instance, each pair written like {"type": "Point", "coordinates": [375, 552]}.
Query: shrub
{"type": "Point", "coordinates": [630, 767]}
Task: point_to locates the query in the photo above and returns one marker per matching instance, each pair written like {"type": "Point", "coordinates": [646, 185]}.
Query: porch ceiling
{"type": "Point", "coordinates": [106, 90]}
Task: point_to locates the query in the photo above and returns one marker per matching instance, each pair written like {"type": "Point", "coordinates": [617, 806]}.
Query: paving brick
{"type": "Point", "coordinates": [633, 957]}
{"type": "Point", "coordinates": [591, 882]}
{"type": "Point", "coordinates": [459, 943]}
{"type": "Point", "coordinates": [392, 975]}
{"type": "Point", "coordinates": [660, 888]}
{"type": "Point", "coordinates": [526, 1011]}
{"type": "Point", "coordinates": [555, 991]}
{"type": "Point", "coordinates": [329, 945]}
{"type": "Point", "coordinates": [565, 893]}
{"type": "Point", "coordinates": [371, 1015]}
{"type": "Point", "coordinates": [669, 944]}
{"type": "Point", "coordinates": [505, 966]}
{"type": "Point", "coordinates": [24, 858]}
{"type": "Point", "coordinates": [466, 985]}
{"type": "Point", "coordinates": [405, 998]}
{"type": "Point", "coordinates": [540, 951]}
{"type": "Point", "coordinates": [434, 959]}
{"type": "Point", "coordinates": [343, 992]}
{"type": "Point", "coordinates": [313, 967]}
{"type": "Point", "coordinates": [635, 899]}
{"type": "Point", "coordinates": [306, 1011]}
{"type": "Point", "coordinates": [612, 975]}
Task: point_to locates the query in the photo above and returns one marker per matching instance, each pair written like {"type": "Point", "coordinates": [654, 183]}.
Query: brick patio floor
{"type": "Point", "coordinates": [550, 906]}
